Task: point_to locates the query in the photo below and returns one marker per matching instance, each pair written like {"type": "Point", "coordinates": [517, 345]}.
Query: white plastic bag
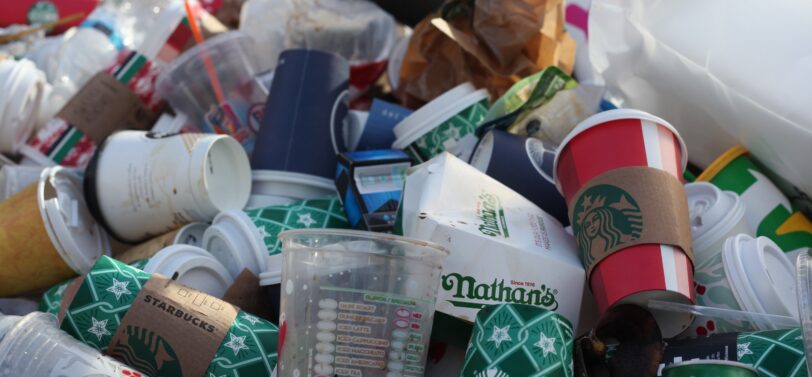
{"type": "Point", "coordinates": [722, 72]}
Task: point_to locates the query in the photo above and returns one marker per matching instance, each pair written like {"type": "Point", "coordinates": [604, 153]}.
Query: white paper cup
{"type": "Point", "coordinates": [196, 268]}
{"type": "Point", "coordinates": [236, 242]}
{"type": "Point", "coordinates": [141, 185]}
{"type": "Point", "coordinates": [22, 86]}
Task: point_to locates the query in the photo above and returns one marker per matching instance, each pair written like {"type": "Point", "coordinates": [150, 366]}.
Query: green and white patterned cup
{"type": "Point", "coordinates": [107, 293]}
{"type": "Point", "coordinates": [709, 368]}
{"type": "Point", "coordinates": [248, 239]}
{"type": "Point", "coordinates": [511, 340]}
{"type": "Point", "coordinates": [446, 124]}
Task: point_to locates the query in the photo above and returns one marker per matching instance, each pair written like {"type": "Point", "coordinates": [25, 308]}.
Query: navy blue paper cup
{"type": "Point", "coordinates": [523, 164]}
{"type": "Point", "coordinates": [302, 129]}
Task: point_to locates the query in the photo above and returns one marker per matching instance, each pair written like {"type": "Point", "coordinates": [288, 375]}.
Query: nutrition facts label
{"type": "Point", "coordinates": [370, 334]}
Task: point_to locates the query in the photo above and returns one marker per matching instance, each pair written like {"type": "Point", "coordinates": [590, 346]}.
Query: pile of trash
{"type": "Point", "coordinates": [506, 188]}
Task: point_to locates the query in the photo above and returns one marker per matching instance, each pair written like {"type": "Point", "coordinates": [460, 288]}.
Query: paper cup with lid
{"type": "Point", "coordinates": [47, 234]}
{"type": "Point", "coordinates": [194, 267]}
{"type": "Point", "coordinates": [248, 239]}
{"type": "Point", "coordinates": [620, 172]}
{"type": "Point", "coordinates": [346, 292]}
{"type": "Point", "coordinates": [140, 185]}
{"type": "Point", "coordinates": [767, 210]}
{"type": "Point", "coordinates": [277, 187]}
{"type": "Point", "coordinates": [446, 124]}
{"type": "Point", "coordinates": [751, 275]}
{"type": "Point", "coordinates": [523, 164]}
{"type": "Point", "coordinates": [189, 234]}
{"type": "Point", "coordinates": [22, 85]}
{"type": "Point", "coordinates": [709, 368]}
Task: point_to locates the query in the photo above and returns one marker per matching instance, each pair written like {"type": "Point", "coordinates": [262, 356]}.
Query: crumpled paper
{"type": "Point", "coordinates": [491, 43]}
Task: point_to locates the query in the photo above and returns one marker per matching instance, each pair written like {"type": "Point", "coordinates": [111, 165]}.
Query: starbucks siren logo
{"type": "Point", "coordinates": [605, 216]}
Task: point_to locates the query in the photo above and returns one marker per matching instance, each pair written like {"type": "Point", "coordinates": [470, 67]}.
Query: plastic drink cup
{"type": "Point", "coordinates": [709, 368]}
{"type": "Point", "coordinates": [47, 234]}
{"type": "Point", "coordinates": [33, 346]}
{"type": "Point", "coordinates": [356, 303]}
{"type": "Point", "coordinates": [630, 138]}
{"type": "Point", "coordinates": [187, 86]}
{"type": "Point", "coordinates": [140, 185]}
{"type": "Point", "coordinates": [23, 88]}
{"type": "Point", "coordinates": [446, 124]}
{"type": "Point", "coordinates": [767, 210]}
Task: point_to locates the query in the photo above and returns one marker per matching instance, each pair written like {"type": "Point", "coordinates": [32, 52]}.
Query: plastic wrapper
{"type": "Point", "coordinates": [491, 43]}
{"type": "Point", "coordinates": [720, 80]}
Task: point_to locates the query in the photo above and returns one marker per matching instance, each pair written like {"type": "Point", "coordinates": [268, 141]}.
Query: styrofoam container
{"type": "Point", "coordinates": [196, 268]}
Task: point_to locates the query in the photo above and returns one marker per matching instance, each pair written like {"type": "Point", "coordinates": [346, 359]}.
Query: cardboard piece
{"type": "Point", "coordinates": [626, 207]}
{"type": "Point", "coordinates": [189, 323]}
{"type": "Point", "coordinates": [105, 105]}
{"type": "Point", "coordinates": [247, 294]}
{"type": "Point", "coordinates": [149, 248]}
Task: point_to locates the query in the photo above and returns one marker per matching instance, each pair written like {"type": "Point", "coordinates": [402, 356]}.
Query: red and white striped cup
{"type": "Point", "coordinates": [625, 138]}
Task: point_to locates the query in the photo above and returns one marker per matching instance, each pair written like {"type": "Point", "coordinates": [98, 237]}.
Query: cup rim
{"type": "Point", "coordinates": [711, 362]}
{"type": "Point", "coordinates": [608, 116]}
{"type": "Point", "coordinates": [721, 162]}
{"type": "Point", "coordinates": [365, 235]}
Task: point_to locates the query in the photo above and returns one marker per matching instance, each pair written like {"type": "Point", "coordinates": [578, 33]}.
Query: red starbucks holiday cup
{"type": "Point", "coordinates": [630, 138]}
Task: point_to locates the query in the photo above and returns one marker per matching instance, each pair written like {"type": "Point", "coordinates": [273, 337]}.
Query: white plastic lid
{"type": "Point", "coordinates": [420, 122]}
{"type": "Point", "coordinates": [760, 275]}
{"type": "Point", "coordinates": [196, 268]}
{"type": "Point", "coordinates": [235, 241]}
{"type": "Point", "coordinates": [803, 269]}
{"type": "Point", "coordinates": [77, 237]}
{"type": "Point", "coordinates": [191, 234]}
{"type": "Point", "coordinates": [713, 212]}
{"type": "Point", "coordinates": [296, 186]}
{"type": "Point", "coordinates": [262, 201]}
{"type": "Point", "coordinates": [270, 278]}
{"type": "Point", "coordinates": [7, 322]}
{"type": "Point", "coordinates": [608, 116]}
{"type": "Point", "coordinates": [699, 362]}
{"type": "Point", "coordinates": [436, 105]}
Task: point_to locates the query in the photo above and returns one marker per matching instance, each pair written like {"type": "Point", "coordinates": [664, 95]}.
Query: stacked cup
{"type": "Point", "coordinates": [620, 172]}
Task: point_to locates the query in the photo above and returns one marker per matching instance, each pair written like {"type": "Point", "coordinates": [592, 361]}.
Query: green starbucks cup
{"type": "Point", "coordinates": [767, 210]}
{"type": "Point", "coordinates": [519, 340]}
{"type": "Point", "coordinates": [709, 368]}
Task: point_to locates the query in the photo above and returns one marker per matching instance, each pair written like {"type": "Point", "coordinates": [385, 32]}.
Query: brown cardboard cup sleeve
{"type": "Point", "coordinates": [183, 326]}
{"type": "Point", "coordinates": [626, 207]}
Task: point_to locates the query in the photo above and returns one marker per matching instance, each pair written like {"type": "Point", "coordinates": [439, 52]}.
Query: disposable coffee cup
{"type": "Point", "coordinates": [771, 353]}
{"type": "Point", "coordinates": [523, 164]}
{"type": "Point", "coordinates": [347, 292]}
{"type": "Point", "coordinates": [248, 239]}
{"type": "Point", "coordinates": [276, 187]}
{"type": "Point", "coordinates": [233, 105]}
{"type": "Point", "coordinates": [519, 340]}
{"type": "Point", "coordinates": [189, 234]}
{"type": "Point", "coordinates": [303, 127]}
{"type": "Point", "coordinates": [767, 210]}
{"type": "Point", "coordinates": [33, 346]}
{"type": "Point", "coordinates": [47, 234]}
{"type": "Point", "coordinates": [621, 141]}
{"type": "Point", "coordinates": [14, 178]}
{"type": "Point", "coordinates": [446, 124]}
{"type": "Point", "coordinates": [709, 368]}
{"type": "Point", "coordinates": [750, 274]}
{"type": "Point", "coordinates": [23, 86]}
{"type": "Point", "coordinates": [195, 268]}
{"type": "Point", "coordinates": [140, 185]}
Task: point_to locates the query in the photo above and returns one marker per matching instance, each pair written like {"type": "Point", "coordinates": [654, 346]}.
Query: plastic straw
{"type": "Point", "coordinates": [763, 320]}
{"type": "Point", "coordinates": [215, 82]}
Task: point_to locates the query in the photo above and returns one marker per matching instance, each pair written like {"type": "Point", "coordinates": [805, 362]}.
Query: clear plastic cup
{"type": "Point", "coordinates": [33, 346]}
{"type": "Point", "coordinates": [187, 85]}
{"type": "Point", "coordinates": [356, 303]}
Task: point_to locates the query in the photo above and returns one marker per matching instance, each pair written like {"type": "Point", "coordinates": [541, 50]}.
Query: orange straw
{"type": "Point", "coordinates": [215, 82]}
